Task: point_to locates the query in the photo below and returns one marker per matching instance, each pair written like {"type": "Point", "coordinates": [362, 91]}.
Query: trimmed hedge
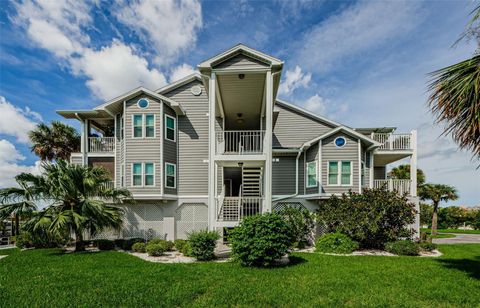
{"type": "Point", "coordinates": [403, 248]}
{"type": "Point", "coordinates": [202, 244]}
{"type": "Point", "coordinates": [139, 247]}
{"type": "Point", "coordinates": [105, 244]}
{"type": "Point", "coordinates": [128, 243]}
{"type": "Point", "coordinates": [155, 250]}
{"type": "Point", "coordinates": [167, 245]}
{"type": "Point", "coordinates": [336, 243]}
{"type": "Point", "coordinates": [427, 246]}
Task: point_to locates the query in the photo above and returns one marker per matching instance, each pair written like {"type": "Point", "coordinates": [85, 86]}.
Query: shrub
{"type": "Point", "coordinates": [179, 244]}
{"type": "Point", "coordinates": [167, 245]}
{"type": "Point", "coordinates": [155, 250]}
{"type": "Point", "coordinates": [139, 247]}
{"type": "Point", "coordinates": [128, 243]}
{"type": "Point", "coordinates": [402, 248]}
{"type": "Point", "coordinates": [261, 240]}
{"type": "Point", "coordinates": [105, 244]}
{"type": "Point", "coordinates": [302, 223]}
{"type": "Point", "coordinates": [119, 242]}
{"type": "Point", "coordinates": [336, 243]}
{"type": "Point", "coordinates": [427, 246]}
{"type": "Point", "coordinates": [202, 244]}
{"type": "Point", "coordinates": [40, 239]}
{"type": "Point", "coordinates": [371, 219]}
{"type": "Point", "coordinates": [186, 250]}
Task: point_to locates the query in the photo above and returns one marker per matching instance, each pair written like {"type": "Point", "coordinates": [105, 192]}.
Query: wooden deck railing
{"type": "Point", "coordinates": [400, 186]}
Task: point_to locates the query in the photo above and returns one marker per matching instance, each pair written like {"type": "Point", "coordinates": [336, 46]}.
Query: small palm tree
{"type": "Point", "coordinates": [80, 202]}
{"type": "Point", "coordinates": [54, 142]}
{"type": "Point", "coordinates": [437, 193]}
{"type": "Point", "coordinates": [402, 172]}
{"type": "Point", "coordinates": [19, 202]}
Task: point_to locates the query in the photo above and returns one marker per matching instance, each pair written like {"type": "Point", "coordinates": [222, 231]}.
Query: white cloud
{"type": "Point", "coordinates": [9, 164]}
{"type": "Point", "coordinates": [15, 121]}
{"type": "Point", "coordinates": [316, 104]}
{"type": "Point", "coordinates": [294, 79]}
{"type": "Point", "coordinates": [354, 30]}
{"type": "Point", "coordinates": [115, 69]}
{"type": "Point", "coordinates": [170, 25]}
{"type": "Point", "coordinates": [181, 71]}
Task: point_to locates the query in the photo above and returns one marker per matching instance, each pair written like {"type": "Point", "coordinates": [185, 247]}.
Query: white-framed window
{"type": "Point", "coordinates": [137, 174]}
{"type": "Point", "coordinates": [143, 125]}
{"type": "Point", "coordinates": [143, 174]}
{"type": "Point", "coordinates": [363, 173]}
{"type": "Point", "coordinates": [170, 175]}
{"type": "Point", "coordinates": [149, 174]}
{"type": "Point", "coordinates": [340, 141]}
{"type": "Point", "coordinates": [311, 174]}
{"type": "Point", "coordinates": [170, 127]}
{"type": "Point", "coordinates": [340, 173]}
{"type": "Point", "coordinates": [150, 125]}
{"type": "Point", "coordinates": [143, 103]}
{"type": "Point", "coordinates": [137, 125]}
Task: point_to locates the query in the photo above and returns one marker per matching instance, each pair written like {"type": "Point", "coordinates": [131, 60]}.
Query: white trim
{"type": "Point", "coordinates": [174, 175]}
{"type": "Point", "coordinates": [174, 128]}
{"type": "Point", "coordinates": [138, 102]}
{"type": "Point", "coordinates": [133, 125]}
{"type": "Point", "coordinates": [339, 174]}
{"type": "Point", "coordinates": [144, 174]}
{"type": "Point", "coordinates": [340, 146]}
{"type": "Point", "coordinates": [320, 180]}
{"type": "Point", "coordinates": [141, 175]}
{"type": "Point", "coordinates": [348, 131]}
{"type": "Point", "coordinates": [179, 83]}
{"type": "Point", "coordinates": [316, 174]}
{"type": "Point", "coordinates": [359, 166]}
{"type": "Point", "coordinates": [145, 125]}
{"type": "Point", "coordinates": [161, 148]}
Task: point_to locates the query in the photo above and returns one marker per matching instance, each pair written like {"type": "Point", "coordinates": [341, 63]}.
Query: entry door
{"type": "Point", "coordinates": [228, 187]}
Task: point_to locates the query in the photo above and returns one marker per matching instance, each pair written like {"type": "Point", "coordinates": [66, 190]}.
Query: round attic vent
{"type": "Point", "coordinates": [196, 90]}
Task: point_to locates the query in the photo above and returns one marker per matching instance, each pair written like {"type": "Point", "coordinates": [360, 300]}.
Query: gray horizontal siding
{"type": "Point", "coordinates": [293, 128]}
{"type": "Point", "coordinates": [283, 175]}
{"type": "Point", "coordinates": [192, 171]}
{"type": "Point", "coordinates": [241, 61]}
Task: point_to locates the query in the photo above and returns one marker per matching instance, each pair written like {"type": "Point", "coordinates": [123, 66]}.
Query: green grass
{"type": "Point", "coordinates": [9, 251]}
{"type": "Point", "coordinates": [454, 231]}
{"type": "Point", "coordinates": [442, 235]}
{"type": "Point", "coordinates": [52, 278]}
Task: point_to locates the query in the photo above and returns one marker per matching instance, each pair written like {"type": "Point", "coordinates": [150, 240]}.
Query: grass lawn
{"type": "Point", "coordinates": [52, 278]}
{"type": "Point", "coordinates": [454, 231]}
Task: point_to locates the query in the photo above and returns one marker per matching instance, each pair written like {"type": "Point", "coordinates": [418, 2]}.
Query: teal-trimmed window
{"type": "Point", "coordinates": [346, 173]}
{"type": "Point", "coordinates": [149, 174]}
{"type": "Point", "coordinates": [340, 173]}
{"type": "Point", "coordinates": [363, 173]}
{"type": "Point", "coordinates": [311, 174]}
{"type": "Point", "coordinates": [170, 175]}
{"type": "Point", "coordinates": [137, 125]}
{"type": "Point", "coordinates": [137, 174]}
{"type": "Point", "coordinates": [170, 127]}
{"type": "Point", "coordinates": [150, 125]}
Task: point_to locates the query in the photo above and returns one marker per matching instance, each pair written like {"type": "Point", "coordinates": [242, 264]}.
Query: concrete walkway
{"type": "Point", "coordinates": [459, 238]}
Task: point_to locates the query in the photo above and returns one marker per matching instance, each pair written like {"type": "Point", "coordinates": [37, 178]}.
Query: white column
{"type": "Point", "coordinates": [268, 142]}
{"type": "Point", "coordinates": [372, 169]}
{"type": "Point", "coordinates": [413, 163]}
{"type": "Point", "coordinates": [211, 154]}
{"type": "Point", "coordinates": [85, 131]}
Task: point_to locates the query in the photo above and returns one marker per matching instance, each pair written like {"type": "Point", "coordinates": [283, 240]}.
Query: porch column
{"type": "Point", "coordinates": [372, 169]}
{"type": "Point", "coordinates": [85, 131]}
{"type": "Point", "coordinates": [211, 153]}
{"type": "Point", "coordinates": [268, 141]}
{"type": "Point", "coordinates": [413, 163]}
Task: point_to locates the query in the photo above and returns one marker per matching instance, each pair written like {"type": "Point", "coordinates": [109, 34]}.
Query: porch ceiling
{"type": "Point", "coordinates": [382, 159]}
{"type": "Point", "coordinates": [242, 96]}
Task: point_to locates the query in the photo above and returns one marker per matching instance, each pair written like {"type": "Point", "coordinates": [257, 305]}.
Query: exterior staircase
{"type": "Point", "coordinates": [251, 182]}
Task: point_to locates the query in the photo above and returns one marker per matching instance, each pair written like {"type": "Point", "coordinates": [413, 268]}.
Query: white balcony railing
{"type": "Point", "coordinates": [393, 141]}
{"type": "Point", "coordinates": [239, 142]}
{"type": "Point", "coordinates": [108, 185]}
{"type": "Point", "coordinates": [400, 186]}
{"type": "Point", "coordinates": [233, 209]}
{"type": "Point", "coordinates": [101, 144]}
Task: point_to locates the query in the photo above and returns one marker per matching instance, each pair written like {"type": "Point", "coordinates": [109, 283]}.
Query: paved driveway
{"type": "Point", "coordinates": [459, 239]}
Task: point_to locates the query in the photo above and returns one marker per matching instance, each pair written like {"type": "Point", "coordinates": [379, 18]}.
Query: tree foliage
{"type": "Point", "coordinates": [55, 141]}
{"type": "Point", "coordinates": [402, 172]}
{"type": "Point", "coordinates": [437, 193]}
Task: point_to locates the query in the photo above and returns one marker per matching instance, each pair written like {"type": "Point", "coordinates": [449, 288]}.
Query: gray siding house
{"type": "Point", "coordinates": [214, 147]}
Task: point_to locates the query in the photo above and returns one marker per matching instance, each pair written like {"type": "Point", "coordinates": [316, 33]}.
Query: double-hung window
{"type": "Point", "coordinates": [143, 125]}
{"type": "Point", "coordinates": [170, 127]}
{"type": "Point", "coordinates": [143, 174]}
{"type": "Point", "coordinates": [149, 174]}
{"type": "Point", "coordinates": [312, 174]}
{"type": "Point", "coordinates": [137, 174]}
{"type": "Point", "coordinates": [170, 175]}
{"type": "Point", "coordinates": [138, 125]}
{"type": "Point", "coordinates": [340, 173]}
{"type": "Point", "coordinates": [149, 125]}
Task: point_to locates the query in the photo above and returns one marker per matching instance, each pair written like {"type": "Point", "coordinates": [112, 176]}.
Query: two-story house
{"type": "Point", "coordinates": [217, 146]}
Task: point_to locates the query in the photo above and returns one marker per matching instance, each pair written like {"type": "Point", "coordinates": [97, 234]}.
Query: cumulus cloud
{"type": "Point", "coordinates": [181, 71]}
{"type": "Point", "coordinates": [170, 25]}
{"type": "Point", "coordinates": [17, 122]}
{"type": "Point", "coordinates": [294, 79]}
{"type": "Point", "coordinates": [9, 164]}
{"type": "Point", "coordinates": [315, 104]}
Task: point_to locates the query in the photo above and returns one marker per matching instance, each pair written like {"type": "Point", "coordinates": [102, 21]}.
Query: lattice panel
{"type": "Point", "coordinates": [191, 217]}
{"type": "Point", "coordinates": [145, 221]}
{"type": "Point", "coordinates": [283, 205]}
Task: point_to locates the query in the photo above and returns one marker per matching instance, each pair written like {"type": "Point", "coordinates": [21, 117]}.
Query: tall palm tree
{"type": "Point", "coordinates": [455, 95]}
{"type": "Point", "coordinates": [54, 142]}
{"type": "Point", "coordinates": [79, 201]}
{"type": "Point", "coordinates": [437, 193]}
{"type": "Point", "coordinates": [403, 172]}
{"type": "Point", "coordinates": [19, 202]}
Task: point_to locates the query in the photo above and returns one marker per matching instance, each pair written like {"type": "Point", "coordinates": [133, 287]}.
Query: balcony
{"type": "Point", "coordinates": [393, 142]}
{"type": "Point", "coordinates": [239, 142]}
{"type": "Point", "coordinates": [234, 209]}
{"type": "Point", "coordinates": [101, 144]}
{"type": "Point", "coordinates": [400, 186]}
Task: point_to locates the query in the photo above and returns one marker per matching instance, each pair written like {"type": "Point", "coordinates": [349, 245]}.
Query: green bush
{"type": "Point", "coordinates": [186, 250]}
{"type": "Point", "coordinates": [372, 218]}
{"type": "Point", "coordinates": [167, 245]}
{"type": "Point", "coordinates": [128, 243]}
{"type": "Point", "coordinates": [155, 250]}
{"type": "Point", "coordinates": [40, 239]}
{"type": "Point", "coordinates": [402, 248]}
{"type": "Point", "coordinates": [119, 242]}
{"type": "Point", "coordinates": [302, 223]}
{"type": "Point", "coordinates": [105, 244]}
{"type": "Point", "coordinates": [139, 247]}
{"type": "Point", "coordinates": [179, 244]}
{"type": "Point", "coordinates": [427, 246]}
{"type": "Point", "coordinates": [202, 244]}
{"type": "Point", "coordinates": [260, 240]}
{"type": "Point", "coordinates": [336, 243]}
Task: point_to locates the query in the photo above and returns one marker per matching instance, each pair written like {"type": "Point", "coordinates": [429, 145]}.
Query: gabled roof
{"type": "Point", "coordinates": [239, 49]}
{"type": "Point", "coordinates": [179, 83]}
{"type": "Point", "coordinates": [345, 130]}
{"type": "Point", "coordinates": [308, 113]}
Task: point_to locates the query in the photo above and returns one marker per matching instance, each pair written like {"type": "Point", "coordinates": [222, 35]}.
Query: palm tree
{"type": "Point", "coordinates": [437, 193]}
{"type": "Point", "coordinates": [19, 202]}
{"type": "Point", "coordinates": [402, 172]}
{"type": "Point", "coordinates": [80, 202]}
{"type": "Point", "coordinates": [54, 142]}
{"type": "Point", "coordinates": [455, 95]}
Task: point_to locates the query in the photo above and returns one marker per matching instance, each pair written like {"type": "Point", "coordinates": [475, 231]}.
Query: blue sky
{"type": "Point", "coordinates": [362, 63]}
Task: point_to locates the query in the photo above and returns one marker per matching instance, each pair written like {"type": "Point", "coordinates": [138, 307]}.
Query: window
{"type": "Point", "coordinates": [169, 128]}
{"type": "Point", "coordinates": [170, 175]}
{"type": "Point", "coordinates": [340, 173]}
{"type": "Point", "coordinates": [143, 103]}
{"type": "Point", "coordinates": [137, 125]}
{"type": "Point", "coordinates": [363, 173]}
{"type": "Point", "coordinates": [122, 176]}
{"type": "Point", "coordinates": [137, 174]}
{"type": "Point", "coordinates": [148, 170]}
{"type": "Point", "coordinates": [121, 128]}
{"type": "Point", "coordinates": [312, 174]}
{"type": "Point", "coordinates": [149, 125]}
{"type": "Point", "coordinates": [340, 141]}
